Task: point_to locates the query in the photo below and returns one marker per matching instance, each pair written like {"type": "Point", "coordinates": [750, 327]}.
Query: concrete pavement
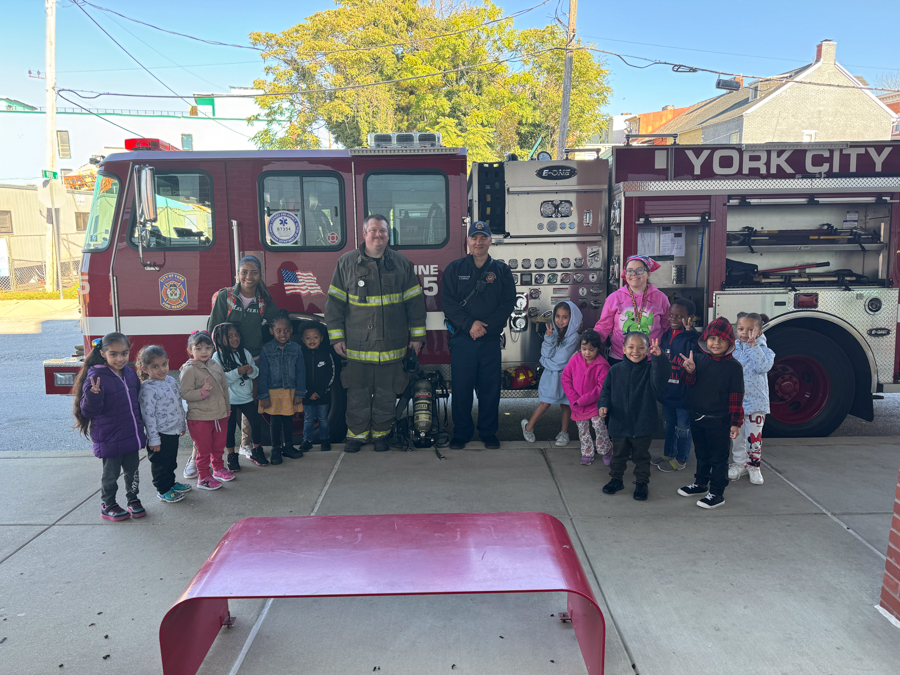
{"type": "Point", "coordinates": [782, 579]}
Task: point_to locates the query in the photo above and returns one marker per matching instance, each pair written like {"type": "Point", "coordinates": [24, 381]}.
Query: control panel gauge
{"type": "Point", "coordinates": [513, 263]}
{"type": "Point", "coordinates": [578, 278]}
{"type": "Point", "coordinates": [538, 263]}
{"type": "Point", "coordinates": [538, 278]}
{"type": "Point", "coordinates": [565, 278]}
{"type": "Point", "coordinates": [579, 262]}
{"type": "Point", "coordinates": [534, 293]}
{"type": "Point", "coordinates": [548, 210]}
{"type": "Point", "coordinates": [551, 226]}
{"type": "Point", "coordinates": [516, 279]}
{"type": "Point", "coordinates": [564, 210]}
{"type": "Point", "coordinates": [551, 263]}
{"type": "Point", "coordinates": [566, 262]}
{"type": "Point", "coordinates": [552, 278]}
{"type": "Point", "coordinates": [526, 263]}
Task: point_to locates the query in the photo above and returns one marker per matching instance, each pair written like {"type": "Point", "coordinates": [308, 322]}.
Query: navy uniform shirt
{"type": "Point", "coordinates": [493, 305]}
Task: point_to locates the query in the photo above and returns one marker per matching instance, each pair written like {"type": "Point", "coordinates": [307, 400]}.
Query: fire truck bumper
{"type": "Point", "coordinates": [59, 374]}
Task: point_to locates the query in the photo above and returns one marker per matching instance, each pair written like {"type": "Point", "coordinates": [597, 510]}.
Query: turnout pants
{"type": "Point", "coordinates": [112, 467]}
{"type": "Point", "coordinates": [712, 442]}
{"type": "Point", "coordinates": [746, 448]}
{"type": "Point", "coordinates": [475, 365]}
{"type": "Point", "coordinates": [636, 449]}
{"type": "Point", "coordinates": [163, 463]}
{"type": "Point", "coordinates": [372, 391]}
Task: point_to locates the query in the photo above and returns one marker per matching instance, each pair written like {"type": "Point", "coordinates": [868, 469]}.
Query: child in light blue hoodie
{"type": "Point", "coordinates": [757, 359]}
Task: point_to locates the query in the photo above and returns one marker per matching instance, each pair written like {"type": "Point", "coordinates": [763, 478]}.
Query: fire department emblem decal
{"type": "Point", "coordinates": [173, 291]}
{"type": "Point", "coordinates": [489, 277]}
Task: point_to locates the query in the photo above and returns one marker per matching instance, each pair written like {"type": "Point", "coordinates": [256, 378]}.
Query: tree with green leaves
{"type": "Point", "coordinates": [407, 65]}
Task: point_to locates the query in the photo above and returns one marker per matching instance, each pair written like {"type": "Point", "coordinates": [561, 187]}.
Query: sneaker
{"type": "Point", "coordinates": [190, 469]}
{"type": "Point", "coordinates": [258, 457]}
{"type": "Point", "coordinates": [711, 501]}
{"type": "Point", "coordinates": [208, 484]}
{"type": "Point", "coordinates": [691, 490]}
{"type": "Point", "coordinates": [246, 451]}
{"type": "Point", "coordinates": [656, 461]}
{"type": "Point", "coordinates": [353, 445]}
{"type": "Point", "coordinates": [755, 475]}
{"type": "Point", "coordinates": [113, 512]}
{"type": "Point", "coordinates": [275, 456]}
{"type": "Point", "coordinates": [223, 476]}
{"type": "Point", "coordinates": [136, 509]}
{"type": "Point", "coordinates": [491, 442]}
{"type": "Point", "coordinates": [181, 487]}
{"type": "Point", "coordinates": [735, 471]}
{"type": "Point", "coordinates": [305, 445]}
{"type": "Point", "coordinates": [640, 492]}
{"type": "Point", "coordinates": [562, 439]}
{"type": "Point", "coordinates": [587, 459]}
{"type": "Point", "coordinates": [233, 464]}
{"type": "Point", "coordinates": [457, 444]}
{"type": "Point", "coordinates": [326, 446]}
{"type": "Point", "coordinates": [292, 452]}
{"type": "Point", "coordinates": [171, 496]}
{"type": "Point", "coordinates": [382, 445]}
{"type": "Point", "coordinates": [671, 465]}
{"type": "Point", "coordinates": [529, 435]}
{"type": "Point", "coordinates": [613, 486]}
{"type": "Point", "coordinates": [607, 458]}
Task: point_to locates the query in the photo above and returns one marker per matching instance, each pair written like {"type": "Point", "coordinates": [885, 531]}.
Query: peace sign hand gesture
{"type": "Point", "coordinates": [688, 323]}
{"type": "Point", "coordinates": [654, 348]}
{"type": "Point", "coordinates": [95, 385]}
{"type": "Point", "coordinates": [688, 362]}
{"type": "Point", "coordinates": [751, 337]}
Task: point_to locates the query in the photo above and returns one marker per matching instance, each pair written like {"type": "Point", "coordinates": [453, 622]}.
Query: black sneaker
{"type": "Point", "coordinates": [353, 445]}
{"type": "Point", "coordinates": [640, 492]}
{"type": "Point", "coordinates": [613, 486]}
{"type": "Point", "coordinates": [326, 446]}
{"type": "Point", "coordinates": [692, 489]}
{"type": "Point", "coordinates": [491, 442]}
{"type": "Point", "coordinates": [233, 464]}
{"type": "Point", "coordinates": [292, 452]}
{"type": "Point", "coordinates": [382, 445]}
{"type": "Point", "coordinates": [711, 501]}
{"type": "Point", "coordinates": [458, 444]}
{"type": "Point", "coordinates": [306, 445]}
{"type": "Point", "coordinates": [275, 457]}
{"type": "Point", "coordinates": [258, 457]}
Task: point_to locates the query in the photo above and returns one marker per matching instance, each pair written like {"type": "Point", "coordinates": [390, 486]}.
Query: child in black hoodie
{"type": "Point", "coordinates": [319, 378]}
{"type": "Point", "coordinates": [716, 383]}
{"type": "Point", "coordinates": [628, 401]}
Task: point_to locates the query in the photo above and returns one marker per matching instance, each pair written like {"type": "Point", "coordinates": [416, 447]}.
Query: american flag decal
{"type": "Point", "coordinates": [303, 283]}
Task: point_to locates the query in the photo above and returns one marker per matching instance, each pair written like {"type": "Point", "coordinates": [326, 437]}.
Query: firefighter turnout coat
{"type": "Point", "coordinates": [376, 306]}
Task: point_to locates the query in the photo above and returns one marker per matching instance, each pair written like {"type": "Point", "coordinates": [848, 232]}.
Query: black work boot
{"type": "Point", "coordinates": [353, 445]}
{"type": "Point", "coordinates": [382, 445]}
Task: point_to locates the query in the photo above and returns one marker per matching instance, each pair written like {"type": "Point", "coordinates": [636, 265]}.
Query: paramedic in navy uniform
{"type": "Point", "coordinates": [477, 296]}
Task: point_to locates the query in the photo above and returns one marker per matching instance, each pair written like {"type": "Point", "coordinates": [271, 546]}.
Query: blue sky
{"type": "Point", "coordinates": [764, 37]}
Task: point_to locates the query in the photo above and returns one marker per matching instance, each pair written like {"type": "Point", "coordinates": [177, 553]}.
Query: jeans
{"type": "Point", "coordinates": [712, 445]}
{"type": "Point", "coordinates": [677, 425]}
{"type": "Point", "coordinates": [112, 467]}
{"type": "Point", "coordinates": [163, 463]}
{"type": "Point", "coordinates": [315, 413]}
{"type": "Point", "coordinates": [637, 449]}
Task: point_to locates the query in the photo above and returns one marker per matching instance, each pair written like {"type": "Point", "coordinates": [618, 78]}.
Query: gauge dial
{"type": "Point", "coordinates": [548, 210]}
{"type": "Point", "coordinates": [538, 278]}
{"type": "Point", "coordinates": [566, 262]}
{"type": "Point", "coordinates": [565, 278]}
{"type": "Point", "coordinates": [551, 263]}
{"type": "Point", "coordinates": [539, 263]}
{"type": "Point", "coordinates": [551, 278]}
{"type": "Point", "coordinates": [513, 263]}
{"type": "Point", "coordinates": [564, 210]}
{"type": "Point", "coordinates": [526, 263]}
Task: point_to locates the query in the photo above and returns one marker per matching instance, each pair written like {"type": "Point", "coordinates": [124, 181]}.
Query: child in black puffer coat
{"type": "Point", "coordinates": [628, 402]}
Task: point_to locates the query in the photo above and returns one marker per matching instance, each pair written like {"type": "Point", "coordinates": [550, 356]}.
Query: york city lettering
{"type": "Point", "coordinates": [730, 161]}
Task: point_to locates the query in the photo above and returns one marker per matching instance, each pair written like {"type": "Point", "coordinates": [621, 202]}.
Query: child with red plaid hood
{"type": "Point", "coordinates": [716, 384]}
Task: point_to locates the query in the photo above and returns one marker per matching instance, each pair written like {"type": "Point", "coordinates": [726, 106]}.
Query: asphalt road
{"type": "Point", "coordinates": [32, 420]}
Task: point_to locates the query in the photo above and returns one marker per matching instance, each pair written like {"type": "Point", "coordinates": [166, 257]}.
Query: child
{"type": "Point", "coordinates": [582, 380]}
{"type": "Point", "coordinates": [716, 384]}
{"type": "Point", "coordinates": [757, 359]}
{"type": "Point", "coordinates": [107, 408]}
{"type": "Point", "coordinates": [240, 371]}
{"type": "Point", "coordinates": [282, 386]}
{"type": "Point", "coordinates": [164, 418]}
{"type": "Point", "coordinates": [205, 389]}
{"type": "Point", "coordinates": [560, 342]}
{"type": "Point", "coordinates": [628, 400]}
{"type": "Point", "coordinates": [319, 378]}
{"type": "Point", "coordinates": [680, 338]}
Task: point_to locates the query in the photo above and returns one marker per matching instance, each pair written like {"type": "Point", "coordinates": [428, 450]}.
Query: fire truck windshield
{"type": "Point", "coordinates": [103, 210]}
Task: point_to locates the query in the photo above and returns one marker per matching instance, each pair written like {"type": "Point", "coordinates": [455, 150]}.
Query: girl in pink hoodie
{"type": "Point", "coordinates": [582, 380]}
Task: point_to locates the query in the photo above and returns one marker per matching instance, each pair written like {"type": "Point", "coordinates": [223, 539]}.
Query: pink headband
{"type": "Point", "coordinates": [649, 263]}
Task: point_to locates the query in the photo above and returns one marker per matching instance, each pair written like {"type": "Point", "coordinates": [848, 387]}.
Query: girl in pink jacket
{"type": "Point", "coordinates": [582, 380]}
{"type": "Point", "coordinates": [637, 306]}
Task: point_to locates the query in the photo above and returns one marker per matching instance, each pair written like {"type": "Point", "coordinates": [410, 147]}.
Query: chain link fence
{"type": "Point", "coordinates": [22, 264]}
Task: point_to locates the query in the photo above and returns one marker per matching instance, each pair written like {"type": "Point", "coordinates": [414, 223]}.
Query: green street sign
{"type": "Point", "coordinates": [52, 175]}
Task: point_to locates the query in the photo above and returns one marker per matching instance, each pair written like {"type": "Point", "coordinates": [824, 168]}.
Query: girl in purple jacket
{"type": "Point", "coordinates": [107, 410]}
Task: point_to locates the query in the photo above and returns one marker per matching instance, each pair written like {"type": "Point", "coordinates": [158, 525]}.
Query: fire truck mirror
{"type": "Point", "coordinates": [145, 187]}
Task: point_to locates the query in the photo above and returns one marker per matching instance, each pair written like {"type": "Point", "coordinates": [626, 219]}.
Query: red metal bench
{"type": "Point", "coordinates": [421, 554]}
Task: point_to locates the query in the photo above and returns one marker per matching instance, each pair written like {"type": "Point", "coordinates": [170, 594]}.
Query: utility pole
{"type": "Point", "coordinates": [567, 83]}
{"type": "Point", "coordinates": [52, 165]}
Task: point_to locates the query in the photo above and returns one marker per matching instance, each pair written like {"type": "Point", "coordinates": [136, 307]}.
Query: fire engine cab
{"type": "Point", "coordinates": [736, 228]}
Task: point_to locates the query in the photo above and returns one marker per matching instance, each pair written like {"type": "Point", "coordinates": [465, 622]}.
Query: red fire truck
{"type": "Point", "coordinates": [735, 228]}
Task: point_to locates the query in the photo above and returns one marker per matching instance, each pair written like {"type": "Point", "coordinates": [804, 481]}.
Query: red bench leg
{"type": "Point", "coordinates": [590, 631]}
{"type": "Point", "coordinates": [188, 631]}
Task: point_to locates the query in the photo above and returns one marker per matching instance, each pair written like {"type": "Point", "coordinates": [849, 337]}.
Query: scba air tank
{"type": "Point", "coordinates": [423, 399]}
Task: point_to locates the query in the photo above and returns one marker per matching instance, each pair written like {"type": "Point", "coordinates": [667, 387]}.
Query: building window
{"type": "Point", "coordinates": [65, 150]}
{"type": "Point", "coordinates": [895, 129]}
{"type": "Point", "coordinates": [187, 141]}
{"type": "Point", "coordinates": [81, 221]}
{"type": "Point", "coordinates": [6, 222]}
{"type": "Point", "coordinates": [184, 212]}
{"type": "Point", "coordinates": [302, 211]}
{"type": "Point", "coordinates": [754, 92]}
{"type": "Point", "coordinates": [735, 137]}
{"type": "Point", "coordinates": [415, 204]}
{"type": "Point", "coordinates": [809, 136]}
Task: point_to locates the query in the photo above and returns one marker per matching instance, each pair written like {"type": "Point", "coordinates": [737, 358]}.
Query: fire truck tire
{"type": "Point", "coordinates": [811, 384]}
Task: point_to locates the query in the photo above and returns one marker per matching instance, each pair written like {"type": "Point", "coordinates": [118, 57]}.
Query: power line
{"type": "Point", "coordinates": [133, 133]}
{"type": "Point", "coordinates": [189, 65]}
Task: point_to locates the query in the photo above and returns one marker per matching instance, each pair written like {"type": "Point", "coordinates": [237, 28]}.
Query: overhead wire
{"type": "Point", "coordinates": [109, 121]}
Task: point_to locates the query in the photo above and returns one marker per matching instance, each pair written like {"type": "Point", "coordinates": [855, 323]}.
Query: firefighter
{"type": "Point", "coordinates": [478, 296]}
{"type": "Point", "coordinates": [374, 310]}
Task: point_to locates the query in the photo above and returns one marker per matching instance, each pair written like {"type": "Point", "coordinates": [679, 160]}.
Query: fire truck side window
{"type": "Point", "coordinates": [415, 204]}
{"type": "Point", "coordinates": [184, 212]}
{"type": "Point", "coordinates": [103, 211]}
{"type": "Point", "coordinates": [302, 211]}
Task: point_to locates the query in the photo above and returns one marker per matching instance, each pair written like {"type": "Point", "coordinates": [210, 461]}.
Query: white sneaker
{"type": "Point", "coordinates": [245, 451]}
{"type": "Point", "coordinates": [735, 471]}
{"type": "Point", "coordinates": [529, 435]}
{"type": "Point", "coordinates": [190, 469]}
{"type": "Point", "coordinates": [562, 439]}
{"type": "Point", "coordinates": [755, 475]}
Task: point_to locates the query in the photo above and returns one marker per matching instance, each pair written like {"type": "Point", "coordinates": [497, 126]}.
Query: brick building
{"type": "Point", "coordinates": [784, 110]}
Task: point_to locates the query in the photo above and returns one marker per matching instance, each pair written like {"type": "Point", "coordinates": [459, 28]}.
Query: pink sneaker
{"type": "Point", "coordinates": [224, 475]}
{"type": "Point", "coordinates": [208, 484]}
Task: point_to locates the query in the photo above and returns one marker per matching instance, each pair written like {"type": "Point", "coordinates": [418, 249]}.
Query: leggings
{"type": "Point", "coordinates": [604, 445]}
{"type": "Point", "coordinates": [282, 426]}
{"type": "Point", "coordinates": [250, 413]}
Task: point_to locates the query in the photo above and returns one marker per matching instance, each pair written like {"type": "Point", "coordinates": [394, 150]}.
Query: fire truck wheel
{"type": "Point", "coordinates": [811, 385]}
